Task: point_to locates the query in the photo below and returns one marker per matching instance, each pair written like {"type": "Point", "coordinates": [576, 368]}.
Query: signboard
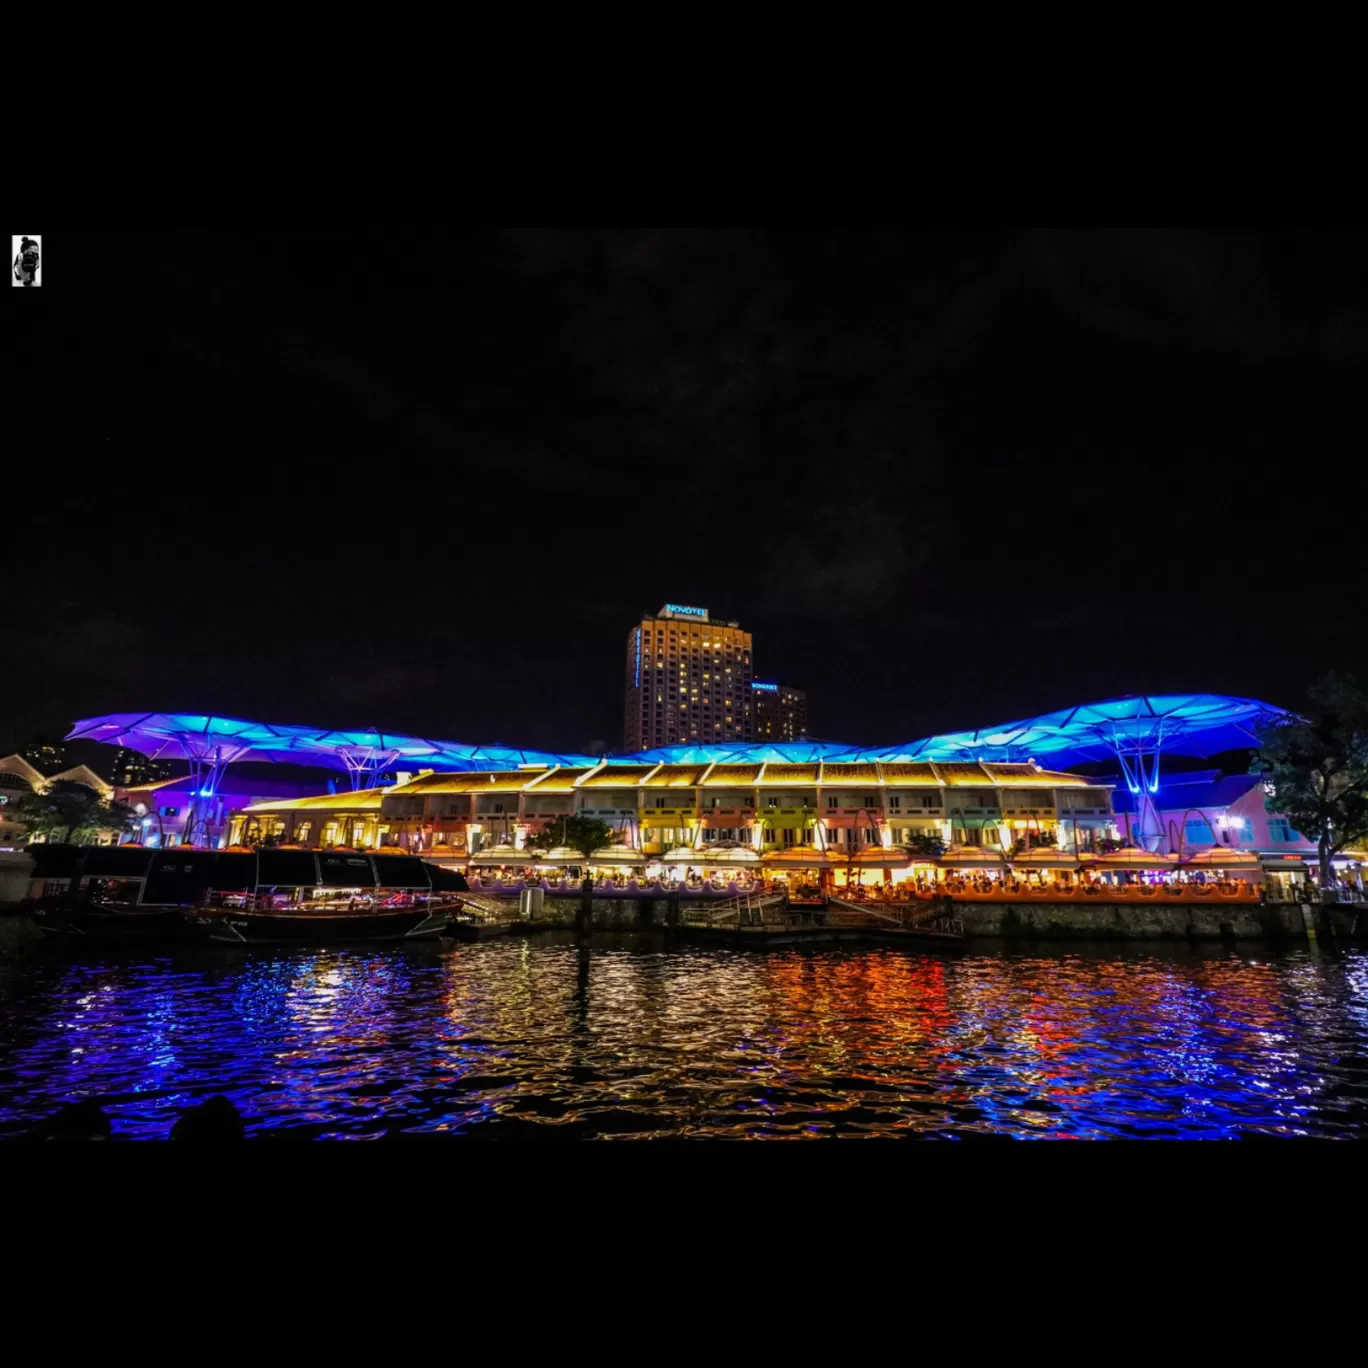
{"type": "Point", "coordinates": [769, 688]}
{"type": "Point", "coordinates": [679, 610]}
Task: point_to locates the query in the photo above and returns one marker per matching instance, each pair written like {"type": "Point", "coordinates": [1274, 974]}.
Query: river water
{"type": "Point", "coordinates": [626, 1037]}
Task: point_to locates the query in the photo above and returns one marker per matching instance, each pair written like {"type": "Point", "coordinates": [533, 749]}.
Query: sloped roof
{"type": "Point", "coordinates": [362, 800]}
{"type": "Point", "coordinates": [779, 773]}
{"type": "Point", "coordinates": [723, 775]}
{"type": "Point", "coordinates": [618, 776]}
{"type": "Point", "coordinates": [835, 772]}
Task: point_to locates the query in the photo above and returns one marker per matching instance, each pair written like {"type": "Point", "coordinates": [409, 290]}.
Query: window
{"type": "Point", "coordinates": [1280, 829]}
{"type": "Point", "coordinates": [832, 803]}
{"type": "Point", "coordinates": [1196, 831]}
{"type": "Point", "coordinates": [869, 801]}
{"type": "Point", "coordinates": [930, 800]}
{"type": "Point", "coordinates": [895, 801]}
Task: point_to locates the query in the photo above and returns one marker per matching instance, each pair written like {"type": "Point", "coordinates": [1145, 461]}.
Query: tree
{"type": "Point", "coordinates": [1035, 840]}
{"type": "Point", "coordinates": [1315, 769]}
{"type": "Point", "coordinates": [925, 843]}
{"type": "Point", "coordinates": [73, 813]}
{"type": "Point", "coordinates": [582, 834]}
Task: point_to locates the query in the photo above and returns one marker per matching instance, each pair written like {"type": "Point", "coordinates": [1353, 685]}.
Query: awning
{"type": "Point", "coordinates": [1220, 857]}
{"type": "Point", "coordinates": [502, 855]}
{"type": "Point", "coordinates": [972, 857]}
{"type": "Point", "coordinates": [1130, 860]}
{"type": "Point", "coordinates": [617, 855]}
{"type": "Point", "coordinates": [1283, 864]}
{"type": "Point", "coordinates": [1043, 859]}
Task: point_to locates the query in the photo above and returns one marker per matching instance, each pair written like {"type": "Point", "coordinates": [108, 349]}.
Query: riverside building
{"type": "Point", "coordinates": [780, 712]}
{"type": "Point", "coordinates": [994, 795]}
{"type": "Point", "coordinates": [688, 680]}
{"type": "Point", "coordinates": [766, 806]}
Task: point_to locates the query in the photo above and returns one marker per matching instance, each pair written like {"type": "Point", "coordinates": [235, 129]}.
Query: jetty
{"type": "Point", "coordinates": [775, 920]}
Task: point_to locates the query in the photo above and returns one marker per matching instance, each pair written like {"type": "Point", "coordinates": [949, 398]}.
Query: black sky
{"type": "Point", "coordinates": [426, 483]}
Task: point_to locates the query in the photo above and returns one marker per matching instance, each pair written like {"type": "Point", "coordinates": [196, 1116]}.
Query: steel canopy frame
{"type": "Point", "coordinates": [197, 738]}
{"type": "Point", "coordinates": [1135, 731]}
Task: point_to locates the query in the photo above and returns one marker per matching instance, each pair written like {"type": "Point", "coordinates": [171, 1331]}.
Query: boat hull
{"type": "Point", "coordinates": [272, 928]}
{"type": "Point", "coordinates": [68, 921]}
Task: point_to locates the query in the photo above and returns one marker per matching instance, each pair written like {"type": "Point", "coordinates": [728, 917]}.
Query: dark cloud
{"type": "Point", "coordinates": [945, 478]}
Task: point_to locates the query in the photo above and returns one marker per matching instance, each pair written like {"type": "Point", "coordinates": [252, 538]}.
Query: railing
{"type": "Point", "coordinates": [483, 908]}
{"type": "Point", "coordinates": [746, 909]}
{"type": "Point", "coordinates": [1241, 891]}
{"type": "Point", "coordinates": [931, 914]}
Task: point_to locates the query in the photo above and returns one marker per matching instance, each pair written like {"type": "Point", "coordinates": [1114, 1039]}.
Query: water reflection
{"type": "Point", "coordinates": [625, 1037]}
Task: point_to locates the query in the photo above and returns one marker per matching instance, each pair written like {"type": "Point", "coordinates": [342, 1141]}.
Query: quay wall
{"type": "Point", "coordinates": [1132, 921]}
{"type": "Point", "coordinates": [1026, 921]}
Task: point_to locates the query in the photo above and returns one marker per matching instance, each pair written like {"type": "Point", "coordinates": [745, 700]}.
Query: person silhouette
{"type": "Point", "coordinates": [26, 262]}
{"type": "Point", "coordinates": [76, 1121]}
{"type": "Point", "coordinates": [216, 1119]}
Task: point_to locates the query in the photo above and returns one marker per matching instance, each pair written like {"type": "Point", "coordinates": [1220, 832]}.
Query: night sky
{"type": "Point", "coordinates": [428, 483]}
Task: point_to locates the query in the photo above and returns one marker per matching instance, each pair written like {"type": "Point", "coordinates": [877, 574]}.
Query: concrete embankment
{"type": "Point", "coordinates": [1035, 920]}
{"type": "Point", "coordinates": [16, 929]}
{"type": "Point", "coordinates": [1116, 921]}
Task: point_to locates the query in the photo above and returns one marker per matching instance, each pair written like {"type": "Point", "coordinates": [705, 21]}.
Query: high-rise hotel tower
{"type": "Point", "coordinates": [780, 712]}
{"type": "Point", "coordinates": [688, 680]}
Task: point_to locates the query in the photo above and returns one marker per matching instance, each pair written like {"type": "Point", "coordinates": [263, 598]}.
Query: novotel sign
{"type": "Point", "coordinates": [679, 610]}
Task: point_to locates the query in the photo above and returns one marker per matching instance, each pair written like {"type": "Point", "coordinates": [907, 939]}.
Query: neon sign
{"type": "Point", "coordinates": [769, 688]}
{"type": "Point", "coordinates": [637, 685]}
{"type": "Point", "coordinates": [686, 612]}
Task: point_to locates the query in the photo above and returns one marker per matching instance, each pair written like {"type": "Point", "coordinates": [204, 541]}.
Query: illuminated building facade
{"type": "Point", "coordinates": [780, 712]}
{"type": "Point", "coordinates": [165, 810]}
{"type": "Point", "coordinates": [688, 679]}
{"type": "Point", "coordinates": [766, 805]}
{"type": "Point", "coordinates": [994, 786]}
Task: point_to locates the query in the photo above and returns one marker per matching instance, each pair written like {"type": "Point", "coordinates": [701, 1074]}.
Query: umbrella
{"type": "Point", "coordinates": [881, 857]}
{"type": "Point", "coordinates": [735, 855]}
{"type": "Point", "coordinates": [503, 854]}
{"type": "Point", "coordinates": [561, 855]}
{"type": "Point", "coordinates": [1219, 858]}
{"type": "Point", "coordinates": [1044, 858]}
{"type": "Point", "coordinates": [798, 857]}
{"type": "Point", "coordinates": [617, 855]}
{"type": "Point", "coordinates": [1130, 859]}
{"type": "Point", "coordinates": [972, 857]}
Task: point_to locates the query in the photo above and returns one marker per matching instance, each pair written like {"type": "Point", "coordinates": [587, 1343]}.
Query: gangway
{"type": "Point", "coordinates": [745, 909]}
{"type": "Point", "coordinates": [937, 915]}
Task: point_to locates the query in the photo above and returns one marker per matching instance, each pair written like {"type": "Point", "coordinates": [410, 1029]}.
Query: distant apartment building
{"type": "Point", "coordinates": [47, 757]}
{"type": "Point", "coordinates": [20, 777]}
{"type": "Point", "coordinates": [780, 712]}
{"type": "Point", "coordinates": [688, 680]}
{"type": "Point", "coordinates": [131, 768]}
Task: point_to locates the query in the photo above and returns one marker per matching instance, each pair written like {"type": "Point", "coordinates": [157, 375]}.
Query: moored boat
{"type": "Point", "coordinates": [243, 896]}
{"type": "Point", "coordinates": [106, 893]}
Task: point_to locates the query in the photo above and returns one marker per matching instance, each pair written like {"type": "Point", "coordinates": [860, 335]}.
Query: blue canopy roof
{"type": "Point", "coordinates": [195, 736]}
{"type": "Point", "coordinates": [1177, 724]}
